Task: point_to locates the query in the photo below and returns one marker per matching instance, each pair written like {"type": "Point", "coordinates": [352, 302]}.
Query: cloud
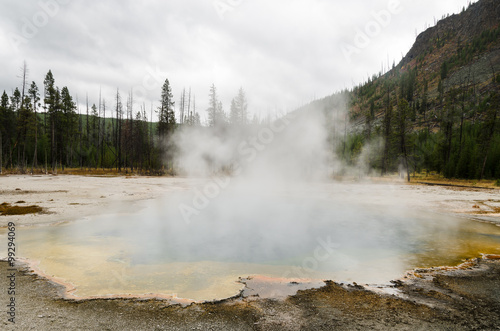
{"type": "Point", "coordinates": [284, 53]}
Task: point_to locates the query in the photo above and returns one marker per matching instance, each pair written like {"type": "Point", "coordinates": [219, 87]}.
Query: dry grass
{"type": "Point", "coordinates": [440, 180]}
{"type": "Point", "coordinates": [112, 172]}
{"type": "Point", "coordinates": [93, 172]}
{"type": "Point", "coordinates": [90, 172]}
{"type": "Point", "coordinates": [428, 178]}
{"type": "Point", "coordinates": [7, 209]}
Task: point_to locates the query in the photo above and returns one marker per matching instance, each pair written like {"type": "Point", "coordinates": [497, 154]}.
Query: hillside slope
{"type": "Point", "coordinates": [438, 109]}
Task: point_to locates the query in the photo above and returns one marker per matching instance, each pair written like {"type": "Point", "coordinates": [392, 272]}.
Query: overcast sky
{"type": "Point", "coordinates": [282, 52]}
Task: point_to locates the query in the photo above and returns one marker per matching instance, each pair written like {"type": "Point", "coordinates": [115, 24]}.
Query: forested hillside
{"type": "Point", "coordinates": [438, 109]}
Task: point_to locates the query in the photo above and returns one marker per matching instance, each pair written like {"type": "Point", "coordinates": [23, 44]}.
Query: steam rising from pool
{"type": "Point", "coordinates": [344, 232]}
{"type": "Point", "coordinates": [263, 204]}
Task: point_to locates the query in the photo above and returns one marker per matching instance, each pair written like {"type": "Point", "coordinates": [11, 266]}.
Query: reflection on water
{"type": "Point", "coordinates": [155, 251]}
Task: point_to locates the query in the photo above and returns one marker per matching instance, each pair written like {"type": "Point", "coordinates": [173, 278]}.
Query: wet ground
{"type": "Point", "coordinates": [321, 230]}
{"type": "Point", "coordinates": [436, 300]}
{"type": "Point", "coordinates": [442, 298]}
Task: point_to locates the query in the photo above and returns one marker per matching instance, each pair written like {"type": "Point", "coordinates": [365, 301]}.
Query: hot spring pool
{"type": "Point", "coordinates": [314, 233]}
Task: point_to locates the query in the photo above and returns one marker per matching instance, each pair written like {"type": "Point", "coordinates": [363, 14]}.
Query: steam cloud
{"type": "Point", "coordinates": [263, 196]}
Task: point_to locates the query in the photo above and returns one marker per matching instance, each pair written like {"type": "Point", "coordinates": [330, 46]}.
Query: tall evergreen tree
{"type": "Point", "coordinates": [233, 113]}
{"type": "Point", "coordinates": [216, 114]}
{"type": "Point", "coordinates": [166, 116]}
{"type": "Point", "coordinates": [212, 106]}
{"type": "Point", "coordinates": [8, 118]}
{"type": "Point", "coordinates": [35, 98]}
{"type": "Point", "coordinates": [15, 101]}
{"type": "Point", "coordinates": [69, 127]}
{"type": "Point", "coordinates": [24, 125]}
{"type": "Point", "coordinates": [239, 109]}
{"type": "Point", "coordinates": [51, 104]}
{"type": "Point", "coordinates": [5, 118]}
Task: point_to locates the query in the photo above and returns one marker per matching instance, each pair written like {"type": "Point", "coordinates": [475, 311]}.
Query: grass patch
{"type": "Point", "coordinates": [112, 172]}
{"type": "Point", "coordinates": [439, 179]}
{"type": "Point", "coordinates": [7, 209]}
{"type": "Point", "coordinates": [106, 172]}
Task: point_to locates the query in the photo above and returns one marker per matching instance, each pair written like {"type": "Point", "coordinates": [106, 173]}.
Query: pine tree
{"type": "Point", "coordinates": [8, 118]}
{"type": "Point", "coordinates": [24, 122]}
{"type": "Point", "coordinates": [212, 106]}
{"type": "Point", "coordinates": [216, 114]}
{"type": "Point", "coordinates": [50, 100]}
{"type": "Point", "coordinates": [239, 109]}
{"type": "Point", "coordinates": [35, 97]}
{"type": "Point", "coordinates": [68, 129]}
{"type": "Point", "coordinates": [166, 116]}
{"type": "Point", "coordinates": [4, 125]}
{"type": "Point", "coordinates": [234, 117]}
{"type": "Point", "coordinates": [15, 101]}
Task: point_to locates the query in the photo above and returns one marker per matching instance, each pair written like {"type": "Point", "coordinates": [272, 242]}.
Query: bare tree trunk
{"type": "Point", "coordinates": [151, 138]}
{"type": "Point", "coordinates": [87, 142]}
{"type": "Point", "coordinates": [118, 131]}
{"type": "Point", "coordinates": [80, 134]}
{"type": "Point", "coordinates": [35, 156]}
{"type": "Point", "coordinates": [25, 72]}
{"type": "Point", "coordinates": [120, 144]}
{"type": "Point", "coordinates": [113, 136]}
{"type": "Point", "coordinates": [98, 132]}
{"type": "Point", "coordinates": [103, 132]}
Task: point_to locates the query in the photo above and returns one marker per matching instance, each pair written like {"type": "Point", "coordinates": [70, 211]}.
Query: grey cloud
{"type": "Point", "coordinates": [282, 52]}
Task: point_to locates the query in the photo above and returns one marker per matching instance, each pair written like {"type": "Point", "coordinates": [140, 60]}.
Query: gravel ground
{"type": "Point", "coordinates": [442, 300]}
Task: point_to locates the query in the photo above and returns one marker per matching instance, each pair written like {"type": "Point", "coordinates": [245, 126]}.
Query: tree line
{"type": "Point", "coordinates": [42, 131]}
